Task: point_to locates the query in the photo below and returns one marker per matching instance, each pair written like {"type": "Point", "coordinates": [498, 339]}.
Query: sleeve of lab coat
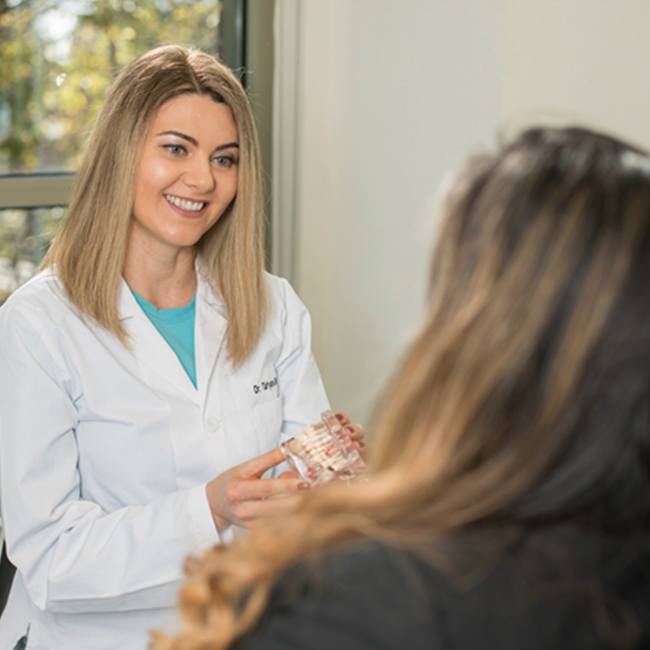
{"type": "Point", "coordinates": [299, 379]}
{"type": "Point", "coordinates": [74, 556]}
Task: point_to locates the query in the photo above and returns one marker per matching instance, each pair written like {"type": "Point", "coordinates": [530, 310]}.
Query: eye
{"type": "Point", "coordinates": [226, 161]}
{"type": "Point", "coordinates": [175, 149]}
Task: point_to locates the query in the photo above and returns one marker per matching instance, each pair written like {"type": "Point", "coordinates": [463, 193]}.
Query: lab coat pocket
{"type": "Point", "coordinates": [266, 387]}
{"type": "Point", "coordinates": [267, 419]}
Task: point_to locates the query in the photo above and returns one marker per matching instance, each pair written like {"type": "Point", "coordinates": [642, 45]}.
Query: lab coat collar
{"type": "Point", "coordinates": [204, 290]}
{"type": "Point", "coordinates": [155, 357]}
{"type": "Point", "coordinates": [211, 329]}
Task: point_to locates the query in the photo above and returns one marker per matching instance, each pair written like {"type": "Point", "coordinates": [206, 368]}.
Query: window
{"type": "Point", "coordinates": [24, 237]}
{"type": "Point", "coordinates": [56, 62]}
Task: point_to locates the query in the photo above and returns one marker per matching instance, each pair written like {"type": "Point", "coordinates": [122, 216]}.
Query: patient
{"type": "Point", "coordinates": [508, 495]}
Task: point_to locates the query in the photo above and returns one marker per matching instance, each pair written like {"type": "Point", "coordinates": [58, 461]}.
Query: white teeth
{"type": "Point", "coordinates": [184, 204]}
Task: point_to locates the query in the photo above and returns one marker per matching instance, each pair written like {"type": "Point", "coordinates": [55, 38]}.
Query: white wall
{"type": "Point", "coordinates": [387, 96]}
{"type": "Point", "coordinates": [579, 60]}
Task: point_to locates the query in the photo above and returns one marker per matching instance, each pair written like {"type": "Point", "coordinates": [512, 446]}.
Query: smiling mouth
{"type": "Point", "coordinates": [185, 204]}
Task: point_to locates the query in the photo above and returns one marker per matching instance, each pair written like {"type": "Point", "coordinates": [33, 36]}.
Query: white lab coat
{"type": "Point", "coordinates": [105, 453]}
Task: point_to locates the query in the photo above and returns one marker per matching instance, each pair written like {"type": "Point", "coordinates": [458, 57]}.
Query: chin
{"type": "Point", "coordinates": [184, 237]}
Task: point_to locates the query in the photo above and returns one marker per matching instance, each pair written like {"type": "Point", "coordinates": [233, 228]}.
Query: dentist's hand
{"type": "Point", "coordinates": [355, 431]}
{"type": "Point", "coordinates": [240, 496]}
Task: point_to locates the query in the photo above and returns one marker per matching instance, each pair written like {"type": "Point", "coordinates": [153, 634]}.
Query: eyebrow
{"type": "Point", "coordinates": [195, 142]}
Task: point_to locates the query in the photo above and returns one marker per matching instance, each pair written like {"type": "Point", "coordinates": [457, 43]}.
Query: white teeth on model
{"type": "Point", "coordinates": [184, 204]}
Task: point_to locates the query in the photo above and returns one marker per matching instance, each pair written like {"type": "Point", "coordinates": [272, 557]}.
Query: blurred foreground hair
{"type": "Point", "coordinates": [89, 250]}
{"type": "Point", "coordinates": [523, 401]}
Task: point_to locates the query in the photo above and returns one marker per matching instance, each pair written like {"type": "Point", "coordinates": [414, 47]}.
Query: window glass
{"type": "Point", "coordinates": [24, 238]}
{"type": "Point", "coordinates": [57, 59]}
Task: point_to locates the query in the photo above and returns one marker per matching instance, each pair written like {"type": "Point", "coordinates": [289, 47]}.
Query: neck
{"type": "Point", "coordinates": [165, 278]}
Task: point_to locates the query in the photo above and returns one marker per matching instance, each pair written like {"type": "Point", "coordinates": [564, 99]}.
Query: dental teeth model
{"type": "Point", "coordinates": [323, 451]}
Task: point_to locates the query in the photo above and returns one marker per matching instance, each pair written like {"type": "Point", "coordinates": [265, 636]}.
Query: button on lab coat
{"type": "Point", "coordinates": [105, 452]}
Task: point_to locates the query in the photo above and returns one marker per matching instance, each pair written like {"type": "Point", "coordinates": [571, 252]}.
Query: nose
{"type": "Point", "coordinates": [199, 175]}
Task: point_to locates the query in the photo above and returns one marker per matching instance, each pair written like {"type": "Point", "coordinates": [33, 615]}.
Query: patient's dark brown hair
{"type": "Point", "coordinates": [524, 399]}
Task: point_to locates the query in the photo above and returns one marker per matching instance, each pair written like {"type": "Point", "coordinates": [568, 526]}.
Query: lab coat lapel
{"type": "Point", "coordinates": [155, 357]}
{"type": "Point", "coordinates": [210, 332]}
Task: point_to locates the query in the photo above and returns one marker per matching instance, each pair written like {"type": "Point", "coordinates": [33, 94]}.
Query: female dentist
{"type": "Point", "coordinates": [149, 372]}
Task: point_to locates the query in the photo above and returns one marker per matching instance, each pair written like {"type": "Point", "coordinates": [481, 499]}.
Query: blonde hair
{"type": "Point", "coordinates": [89, 250]}
{"type": "Point", "coordinates": [522, 400]}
